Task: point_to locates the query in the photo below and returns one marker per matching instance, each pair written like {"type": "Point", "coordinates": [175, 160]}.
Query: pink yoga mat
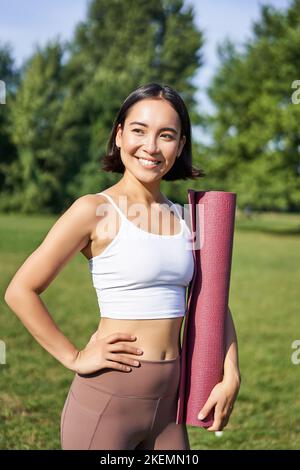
{"type": "Point", "coordinates": [212, 216]}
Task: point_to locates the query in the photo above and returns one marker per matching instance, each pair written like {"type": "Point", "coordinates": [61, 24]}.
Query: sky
{"type": "Point", "coordinates": [25, 24]}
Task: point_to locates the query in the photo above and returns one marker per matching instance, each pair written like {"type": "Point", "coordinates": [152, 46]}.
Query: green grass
{"type": "Point", "coordinates": [264, 300]}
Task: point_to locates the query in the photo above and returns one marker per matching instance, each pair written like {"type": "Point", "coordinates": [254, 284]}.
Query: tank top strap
{"type": "Point", "coordinates": [176, 210]}
{"type": "Point", "coordinates": [182, 218]}
{"type": "Point", "coordinates": [123, 215]}
{"type": "Point", "coordinates": [114, 204]}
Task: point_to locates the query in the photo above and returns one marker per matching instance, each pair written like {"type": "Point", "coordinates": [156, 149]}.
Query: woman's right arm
{"type": "Point", "coordinates": [70, 234]}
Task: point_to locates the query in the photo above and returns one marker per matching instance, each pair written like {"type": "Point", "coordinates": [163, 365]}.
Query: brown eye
{"type": "Point", "coordinates": [163, 135]}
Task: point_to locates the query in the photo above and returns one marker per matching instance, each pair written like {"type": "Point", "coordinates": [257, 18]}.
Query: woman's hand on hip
{"type": "Point", "coordinates": [101, 353]}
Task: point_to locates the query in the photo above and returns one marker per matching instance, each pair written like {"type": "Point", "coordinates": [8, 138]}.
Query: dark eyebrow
{"type": "Point", "coordinates": [162, 129]}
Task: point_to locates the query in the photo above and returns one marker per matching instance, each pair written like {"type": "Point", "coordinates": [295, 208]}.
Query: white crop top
{"type": "Point", "coordinates": [143, 275]}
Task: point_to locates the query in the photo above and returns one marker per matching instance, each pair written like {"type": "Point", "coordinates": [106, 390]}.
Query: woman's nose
{"type": "Point", "coordinates": [150, 145]}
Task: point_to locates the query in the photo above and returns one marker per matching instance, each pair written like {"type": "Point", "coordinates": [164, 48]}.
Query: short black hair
{"type": "Point", "coordinates": [182, 167]}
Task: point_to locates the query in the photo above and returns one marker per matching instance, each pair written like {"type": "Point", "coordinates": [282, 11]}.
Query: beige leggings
{"type": "Point", "coordinates": [119, 410]}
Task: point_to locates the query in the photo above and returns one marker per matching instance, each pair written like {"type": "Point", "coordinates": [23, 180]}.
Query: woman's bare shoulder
{"type": "Point", "coordinates": [88, 204]}
{"type": "Point", "coordinates": [69, 234]}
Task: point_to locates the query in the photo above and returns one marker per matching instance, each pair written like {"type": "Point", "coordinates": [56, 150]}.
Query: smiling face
{"type": "Point", "coordinates": [151, 132]}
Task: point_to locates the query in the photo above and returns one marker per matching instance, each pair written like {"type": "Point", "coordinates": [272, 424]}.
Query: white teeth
{"type": "Point", "coordinates": [147, 162]}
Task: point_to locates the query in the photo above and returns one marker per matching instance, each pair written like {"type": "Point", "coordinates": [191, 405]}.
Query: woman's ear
{"type": "Point", "coordinates": [118, 136]}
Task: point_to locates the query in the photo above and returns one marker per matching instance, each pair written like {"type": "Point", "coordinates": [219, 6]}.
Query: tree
{"type": "Point", "coordinates": [10, 76]}
{"type": "Point", "coordinates": [40, 164]}
{"type": "Point", "coordinates": [121, 45]}
{"type": "Point", "coordinates": [256, 125]}
{"type": "Point", "coordinates": [69, 95]}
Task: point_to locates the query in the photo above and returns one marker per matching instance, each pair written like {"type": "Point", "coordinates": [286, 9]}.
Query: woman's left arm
{"type": "Point", "coordinates": [224, 394]}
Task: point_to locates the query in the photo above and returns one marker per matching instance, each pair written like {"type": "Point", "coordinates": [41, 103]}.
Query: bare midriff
{"type": "Point", "coordinates": [159, 339]}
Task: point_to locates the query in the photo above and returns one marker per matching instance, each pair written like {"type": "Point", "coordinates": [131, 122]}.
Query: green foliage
{"type": "Point", "coordinates": [34, 131]}
{"type": "Point", "coordinates": [256, 148]}
{"type": "Point", "coordinates": [69, 95]}
{"type": "Point", "coordinates": [120, 46]}
{"type": "Point", "coordinates": [10, 76]}
{"type": "Point", "coordinates": [61, 105]}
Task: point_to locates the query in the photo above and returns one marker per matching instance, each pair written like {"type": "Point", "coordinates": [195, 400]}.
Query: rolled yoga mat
{"type": "Point", "coordinates": [212, 216]}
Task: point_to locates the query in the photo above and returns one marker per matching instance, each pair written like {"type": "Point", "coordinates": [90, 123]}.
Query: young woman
{"type": "Point", "coordinates": [140, 268]}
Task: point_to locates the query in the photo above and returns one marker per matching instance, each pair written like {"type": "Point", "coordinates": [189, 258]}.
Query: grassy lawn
{"type": "Point", "coordinates": [264, 300]}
